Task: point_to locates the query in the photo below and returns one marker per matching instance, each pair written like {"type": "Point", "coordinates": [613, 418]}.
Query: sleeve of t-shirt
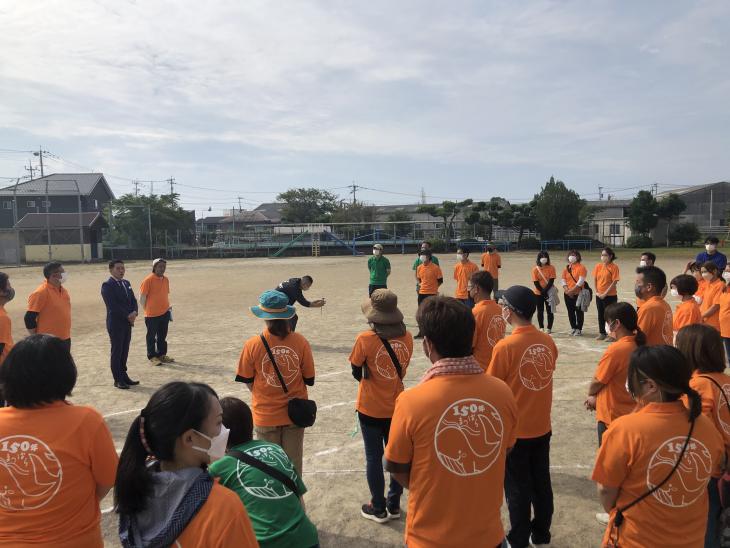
{"type": "Point", "coordinates": [238, 531]}
{"type": "Point", "coordinates": [456, 266]}
{"type": "Point", "coordinates": [307, 360]}
{"type": "Point", "coordinates": [387, 263]}
{"type": "Point", "coordinates": [357, 356]}
{"type": "Point", "coordinates": [595, 271]}
{"type": "Point", "coordinates": [612, 462]}
{"type": "Point", "coordinates": [418, 271]}
{"type": "Point", "coordinates": [300, 484]}
{"type": "Point", "coordinates": [245, 363]}
{"type": "Point", "coordinates": [103, 455]}
{"type": "Point", "coordinates": [415, 265]}
{"type": "Point", "coordinates": [144, 287]}
{"type": "Point", "coordinates": [535, 276]}
{"type": "Point", "coordinates": [616, 273]}
{"type": "Point", "coordinates": [400, 441]}
{"type": "Point", "coordinates": [707, 394]}
{"type": "Point", "coordinates": [36, 301]}
{"type": "Point", "coordinates": [5, 330]}
{"type": "Point", "coordinates": [606, 368]}
{"type": "Point", "coordinates": [499, 365]}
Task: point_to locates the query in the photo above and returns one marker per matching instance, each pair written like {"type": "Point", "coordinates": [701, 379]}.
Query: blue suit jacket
{"type": "Point", "coordinates": [119, 303]}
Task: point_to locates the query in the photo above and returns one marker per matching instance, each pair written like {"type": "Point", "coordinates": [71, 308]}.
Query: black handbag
{"type": "Point", "coordinates": [302, 412]}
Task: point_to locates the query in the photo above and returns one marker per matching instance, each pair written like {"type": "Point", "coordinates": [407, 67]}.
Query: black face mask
{"type": "Point", "coordinates": [637, 290]}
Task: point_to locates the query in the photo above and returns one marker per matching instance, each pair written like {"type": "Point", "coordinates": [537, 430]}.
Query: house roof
{"type": "Point", "coordinates": [246, 217]}
{"type": "Point", "coordinates": [59, 184]}
{"type": "Point", "coordinates": [609, 203]}
{"type": "Point", "coordinates": [689, 189]}
{"type": "Point", "coordinates": [271, 210]}
{"type": "Point", "coordinates": [210, 220]}
{"type": "Point", "coordinates": [32, 221]}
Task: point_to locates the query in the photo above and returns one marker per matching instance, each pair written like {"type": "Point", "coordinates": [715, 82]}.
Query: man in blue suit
{"type": "Point", "coordinates": [121, 311]}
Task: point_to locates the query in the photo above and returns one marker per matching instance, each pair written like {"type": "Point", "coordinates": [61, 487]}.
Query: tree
{"type": "Point", "coordinates": [494, 212]}
{"type": "Point", "coordinates": [521, 217]}
{"type": "Point", "coordinates": [670, 208]}
{"type": "Point", "coordinates": [448, 210]}
{"type": "Point", "coordinates": [307, 205]}
{"type": "Point", "coordinates": [400, 216]}
{"type": "Point", "coordinates": [557, 209]}
{"type": "Point", "coordinates": [685, 233]}
{"type": "Point", "coordinates": [353, 213]}
{"type": "Point", "coordinates": [130, 225]}
{"type": "Point", "coordinates": [643, 213]}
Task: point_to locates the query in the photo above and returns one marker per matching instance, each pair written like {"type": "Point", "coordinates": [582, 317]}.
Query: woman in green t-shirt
{"type": "Point", "coordinates": [276, 510]}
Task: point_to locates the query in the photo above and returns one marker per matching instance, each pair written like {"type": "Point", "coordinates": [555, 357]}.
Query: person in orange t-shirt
{"type": "Point", "coordinates": [7, 294]}
{"type": "Point", "coordinates": [449, 438]}
{"type": "Point", "coordinates": [58, 458]}
{"type": "Point", "coordinates": [380, 381]}
{"type": "Point", "coordinates": [701, 346]}
{"type": "Point", "coordinates": [607, 394]}
{"type": "Point", "coordinates": [695, 269]}
{"type": "Point", "coordinates": [154, 294]}
{"type": "Point", "coordinates": [640, 452]}
{"type": "Point", "coordinates": [463, 269]}
{"type": "Point", "coordinates": [647, 259]}
{"type": "Point", "coordinates": [655, 316]}
{"type": "Point", "coordinates": [429, 278]}
{"type": "Point", "coordinates": [725, 313]}
{"type": "Point", "coordinates": [492, 262]}
{"type": "Point", "coordinates": [49, 306]}
{"type": "Point", "coordinates": [606, 277]}
{"type": "Point", "coordinates": [573, 279]}
{"type": "Point", "coordinates": [163, 463]}
{"type": "Point", "coordinates": [687, 312]}
{"type": "Point", "coordinates": [294, 360]}
{"type": "Point", "coordinates": [526, 362]}
{"type": "Point", "coordinates": [543, 277]}
{"type": "Point", "coordinates": [490, 326]}
{"type": "Point", "coordinates": [710, 306]}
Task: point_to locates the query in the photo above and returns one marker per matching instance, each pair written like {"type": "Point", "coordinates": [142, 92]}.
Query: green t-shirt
{"type": "Point", "coordinates": [417, 263]}
{"type": "Point", "coordinates": [378, 267]}
{"type": "Point", "coordinates": [276, 513]}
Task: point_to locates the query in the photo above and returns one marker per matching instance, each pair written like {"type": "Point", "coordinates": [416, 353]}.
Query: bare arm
{"type": "Point", "coordinates": [710, 311]}
{"type": "Point", "coordinates": [102, 490]}
{"type": "Point", "coordinates": [595, 387]}
{"type": "Point", "coordinates": [607, 496]}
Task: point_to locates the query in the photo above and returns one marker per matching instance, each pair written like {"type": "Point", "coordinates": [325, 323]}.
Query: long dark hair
{"type": "Point", "coordinates": [173, 408]}
{"type": "Point", "coordinates": [540, 255]}
{"type": "Point", "coordinates": [667, 367]}
{"type": "Point", "coordinates": [626, 314]}
{"type": "Point", "coordinates": [279, 328]}
{"type": "Point", "coordinates": [701, 345]}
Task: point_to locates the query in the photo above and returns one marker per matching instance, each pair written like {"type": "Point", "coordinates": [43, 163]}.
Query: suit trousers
{"type": "Point", "coordinates": [120, 335]}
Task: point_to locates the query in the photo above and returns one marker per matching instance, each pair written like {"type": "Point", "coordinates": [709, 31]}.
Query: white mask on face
{"type": "Point", "coordinates": [376, 252]}
{"type": "Point", "coordinates": [604, 258]}
{"type": "Point", "coordinates": [217, 449]}
{"type": "Point", "coordinates": [674, 292]}
{"type": "Point", "coordinates": [710, 247]}
{"type": "Point", "coordinates": [706, 276]}
{"type": "Point", "coordinates": [642, 264]}
{"type": "Point", "coordinates": [423, 258]}
{"type": "Point", "coordinates": [64, 278]}
{"type": "Point", "coordinates": [607, 327]}
{"type": "Point", "coordinates": [572, 259]}
{"type": "Point", "coordinates": [543, 260]}
{"type": "Point", "coordinates": [726, 276]}
{"type": "Point", "coordinates": [698, 299]}
{"type": "Point", "coordinates": [459, 257]}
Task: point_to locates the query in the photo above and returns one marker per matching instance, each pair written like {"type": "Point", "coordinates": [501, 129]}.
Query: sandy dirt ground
{"type": "Point", "coordinates": [210, 300]}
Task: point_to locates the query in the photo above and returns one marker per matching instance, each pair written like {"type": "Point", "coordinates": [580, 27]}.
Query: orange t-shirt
{"type": "Point", "coordinates": [53, 305]}
{"type": "Point", "coordinates": [711, 297]}
{"type": "Point", "coordinates": [655, 320]}
{"type": "Point", "coordinates": [714, 405]}
{"type": "Point", "coordinates": [725, 314]}
{"type": "Point", "coordinates": [293, 356]}
{"type": "Point", "coordinates": [221, 522]}
{"type": "Point", "coordinates": [686, 313]}
{"type": "Point", "coordinates": [455, 431]}
{"type": "Point", "coordinates": [54, 457]}
{"type": "Point", "coordinates": [428, 276]}
{"type": "Point", "coordinates": [462, 273]}
{"type": "Point", "coordinates": [526, 362]}
{"type": "Point", "coordinates": [489, 329]}
{"type": "Point", "coordinates": [639, 302]}
{"type": "Point", "coordinates": [614, 400]}
{"type": "Point", "coordinates": [157, 292]}
{"type": "Point", "coordinates": [492, 262]}
{"type": "Point", "coordinates": [701, 287]}
{"type": "Point", "coordinates": [6, 333]}
{"type": "Point", "coordinates": [637, 452]}
{"type": "Point", "coordinates": [604, 275]}
{"type": "Point", "coordinates": [376, 395]}
{"type": "Point", "coordinates": [577, 270]}
{"type": "Point", "coordinates": [542, 275]}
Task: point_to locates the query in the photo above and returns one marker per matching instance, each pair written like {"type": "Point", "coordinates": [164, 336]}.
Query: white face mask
{"type": "Point", "coordinates": [459, 257]}
{"type": "Point", "coordinates": [423, 258]}
{"type": "Point", "coordinates": [217, 449]}
{"type": "Point", "coordinates": [642, 264]}
{"type": "Point", "coordinates": [674, 292]}
{"type": "Point", "coordinates": [543, 260]}
{"type": "Point", "coordinates": [726, 276]}
{"type": "Point", "coordinates": [710, 247]}
{"type": "Point", "coordinates": [607, 327]}
{"type": "Point", "coordinates": [376, 252]}
{"type": "Point", "coordinates": [698, 299]}
{"type": "Point", "coordinates": [706, 276]}
{"type": "Point", "coordinates": [64, 278]}
{"type": "Point", "coordinates": [572, 259]}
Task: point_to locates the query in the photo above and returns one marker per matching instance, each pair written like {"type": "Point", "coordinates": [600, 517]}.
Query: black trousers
{"type": "Point", "coordinates": [601, 428]}
{"type": "Point", "coordinates": [529, 491]}
{"type": "Point", "coordinates": [157, 335]}
{"type": "Point", "coordinates": [67, 344]}
{"type": "Point", "coordinates": [541, 304]}
{"type": "Point", "coordinates": [575, 314]}
{"type": "Point", "coordinates": [601, 305]}
{"type": "Point", "coordinates": [120, 335]}
{"type": "Point", "coordinates": [372, 288]}
{"type": "Point", "coordinates": [422, 297]}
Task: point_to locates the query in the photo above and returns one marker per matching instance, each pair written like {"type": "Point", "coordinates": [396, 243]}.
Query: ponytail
{"type": "Point", "coordinates": [695, 403]}
{"type": "Point", "coordinates": [626, 314]}
{"type": "Point", "coordinates": [133, 483]}
{"type": "Point", "coordinates": [639, 336]}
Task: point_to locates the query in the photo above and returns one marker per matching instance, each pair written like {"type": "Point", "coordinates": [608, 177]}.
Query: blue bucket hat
{"type": "Point", "coordinates": [273, 305]}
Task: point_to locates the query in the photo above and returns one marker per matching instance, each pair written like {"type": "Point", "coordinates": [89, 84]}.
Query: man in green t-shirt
{"type": "Point", "coordinates": [379, 267]}
{"type": "Point", "coordinates": [276, 513]}
{"type": "Point", "coordinates": [425, 246]}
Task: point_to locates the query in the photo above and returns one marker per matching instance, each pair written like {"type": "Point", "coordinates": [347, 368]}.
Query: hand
{"type": "Point", "coordinates": [319, 303]}
{"type": "Point", "coordinates": [590, 403]}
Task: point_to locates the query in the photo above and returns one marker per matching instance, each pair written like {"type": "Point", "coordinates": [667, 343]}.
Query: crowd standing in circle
{"type": "Point", "coordinates": [475, 429]}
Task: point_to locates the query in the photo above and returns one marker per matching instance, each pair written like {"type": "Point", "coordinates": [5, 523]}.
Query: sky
{"type": "Point", "coordinates": [459, 99]}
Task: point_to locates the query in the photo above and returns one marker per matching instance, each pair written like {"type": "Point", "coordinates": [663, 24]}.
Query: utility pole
{"type": "Point", "coordinates": [239, 204]}
{"type": "Point", "coordinates": [152, 188]}
{"type": "Point", "coordinates": [171, 180]}
{"type": "Point", "coordinates": [136, 187]}
{"type": "Point", "coordinates": [600, 193]}
{"type": "Point", "coordinates": [40, 155]}
{"type": "Point", "coordinates": [31, 169]}
{"type": "Point", "coordinates": [655, 188]}
{"type": "Point", "coordinates": [423, 196]}
{"type": "Point", "coordinates": [354, 188]}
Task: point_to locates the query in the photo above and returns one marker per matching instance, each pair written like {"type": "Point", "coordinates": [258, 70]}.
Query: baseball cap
{"type": "Point", "coordinates": [521, 299]}
{"type": "Point", "coordinates": [158, 260]}
{"type": "Point", "coordinates": [378, 246]}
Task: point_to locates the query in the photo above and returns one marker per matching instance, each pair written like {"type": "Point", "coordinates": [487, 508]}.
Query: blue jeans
{"type": "Point", "coordinates": [712, 533]}
{"type": "Point", "coordinates": [375, 437]}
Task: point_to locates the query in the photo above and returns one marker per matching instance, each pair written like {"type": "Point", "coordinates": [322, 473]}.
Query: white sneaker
{"type": "Point", "coordinates": [537, 545]}
{"type": "Point", "coordinates": [572, 333]}
{"type": "Point", "coordinates": [578, 333]}
{"type": "Point", "coordinates": [602, 518]}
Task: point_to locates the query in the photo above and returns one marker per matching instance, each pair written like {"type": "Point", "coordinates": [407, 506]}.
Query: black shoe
{"type": "Point", "coordinates": [373, 514]}
{"type": "Point", "coordinates": [130, 382]}
{"type": "Point", "coordinates": [121, 384]}
{"type": "Point", "coordinates": [392, 511]}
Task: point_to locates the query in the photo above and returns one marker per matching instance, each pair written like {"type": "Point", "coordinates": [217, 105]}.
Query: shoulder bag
{"type": "Point", "coordinates": [302, 412]}
{"type": "Point", "coordinates": [266, 469]}
{"type": "Point", "coordinates": [553, 294]}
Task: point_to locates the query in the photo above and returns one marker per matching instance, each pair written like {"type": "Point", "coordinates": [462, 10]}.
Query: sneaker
{"type": "Point", "coordinates": [166, 359]}
{"type": "Point", "coordinates": [378, 516]}
{"type": "Point", "coordinates": [573, 332]}
{"type": "Point", "coordinates": [393, 513]}
{"type": "Point", "coordinates": [602, 518]}
{"type": "Point", "coordinates": [536, 545]}
{"type": "Point", "coordinates": [549, 331]}
{"type": "Point", "coordinates": [155, 361]}
{"type": "Point", "coordinates": [601, 337]}
{"type": "Point", "coordinates": [578, 333]}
